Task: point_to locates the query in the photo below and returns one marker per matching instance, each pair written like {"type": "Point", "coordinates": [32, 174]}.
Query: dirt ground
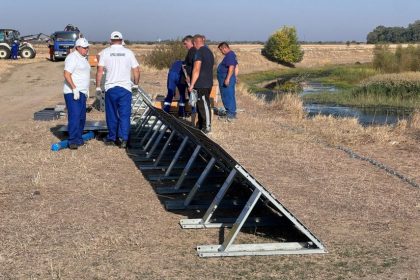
{"type": "Point", "coordinates": [90, 213]}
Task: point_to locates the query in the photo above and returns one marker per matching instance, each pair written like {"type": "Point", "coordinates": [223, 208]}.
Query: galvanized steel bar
{"type": "Point", "coordinates": [177, 155]}
{"type": "Point", "coordinates": [161, 134]}
{"type": "Point", "coordinates": [165, 147]}
{"type": "Point", "coordinates": [187, 167]}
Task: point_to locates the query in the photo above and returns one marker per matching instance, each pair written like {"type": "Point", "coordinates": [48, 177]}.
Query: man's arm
{"type": "Point", "coordinates": [236, 70]}
{"type": "Point", "coordinates": [229, 75]}
{"type": "Point", "coordinates": [136, 75]}
{"type": "Point", "coordinates": [195, 74]}
{"type": "Point", "coordinates": [99, 74]}
{"type": "Point", "coordinates": [69, 80]}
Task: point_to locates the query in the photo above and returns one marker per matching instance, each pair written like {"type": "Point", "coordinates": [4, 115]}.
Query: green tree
{"type": "Point", "coordinates": [283, 47]}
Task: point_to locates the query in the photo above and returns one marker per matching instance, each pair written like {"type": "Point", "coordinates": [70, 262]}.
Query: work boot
{"type": "Point", "coordinates": [108, 142]}
{"type": "Point", "coordinates": [124, 144]}
{"type": "Point", "coordinates": [73, 146]}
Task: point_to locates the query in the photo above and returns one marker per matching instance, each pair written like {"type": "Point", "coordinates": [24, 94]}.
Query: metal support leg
{"type": "Point", "coordinates": [143, 124]}
{"type": "Point", "coordinates": [241, 220]}
{"type": "Point", "coordinates": [153, 136]}
{"type": "Point", "coordinates": [184, 203]}
{"type": "Point", "coordinates": [187, 168]}
{"type": "Point", "coordinates": [146, 136]}
{"type": "Point", "coordinates": [176, 157]}
{"type": "Point", "coordinates": [219, 196]}
{"type": "Point", "coordinates": [152, 150]}
{"type": "Point", "coordinates": [199, 182]}
{"type": "Point", "coordinates": [205, 221]}
{"type": "Point", "coordinates": [165, 147]}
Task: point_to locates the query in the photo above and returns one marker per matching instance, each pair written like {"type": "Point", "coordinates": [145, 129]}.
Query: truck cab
{"type": "Point", "coordinates": [62, 42]}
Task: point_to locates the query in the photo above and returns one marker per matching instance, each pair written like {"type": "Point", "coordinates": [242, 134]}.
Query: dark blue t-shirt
{"type": "Point", "coordinates": [228, 60]}
{"type": "Point", "coordinates": [205, 80]}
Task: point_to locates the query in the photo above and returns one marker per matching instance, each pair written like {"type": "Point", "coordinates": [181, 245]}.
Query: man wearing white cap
{"type": "Point", "coordinates": [76, 91]}
{"type": "Point", "coordinates": [120, 63]}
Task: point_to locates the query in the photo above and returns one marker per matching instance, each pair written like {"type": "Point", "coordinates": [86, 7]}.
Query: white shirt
{"type": "Point", "coordinates": [118, 62]}
{"type": "Point", "coordinates": [79, 67]}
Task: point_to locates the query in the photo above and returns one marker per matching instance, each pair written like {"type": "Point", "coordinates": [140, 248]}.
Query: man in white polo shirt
{"type": "Point", "coordinates": [119, 63]}
{"type": "Point", "coordinates": [76, 91]}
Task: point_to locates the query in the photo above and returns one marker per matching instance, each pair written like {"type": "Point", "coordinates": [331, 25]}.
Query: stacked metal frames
{"type": "Point", "coordinates": [191, 167]}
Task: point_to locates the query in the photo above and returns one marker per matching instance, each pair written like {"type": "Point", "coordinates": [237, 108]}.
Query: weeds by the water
{"type": "Point", "coordinates": [403, 59]}
{"type": "Point", "coordinates": [343, 76]}
{"type": "Point", "coordinates": [393, 90]}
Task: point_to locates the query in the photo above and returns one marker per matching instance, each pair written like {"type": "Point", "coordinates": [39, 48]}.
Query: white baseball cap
{"type": "Point", "coordinates": [82, 42]}
{"type": "Point", "coordinates": [116, 35]}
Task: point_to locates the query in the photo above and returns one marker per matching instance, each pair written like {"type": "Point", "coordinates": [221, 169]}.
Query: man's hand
{"type": "Point", "coordinates": [226, 83]}
{"type": "Point", "coordinates": [98, 91]}
{"type": "Point", "coordinates": [76, 94]}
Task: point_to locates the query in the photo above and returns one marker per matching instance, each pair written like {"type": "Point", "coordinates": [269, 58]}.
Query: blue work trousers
{"type": "Point", "coordinates": [14, 52]}
{"type": "Point", "coordinates": [118, 112]}
{"type": "Point", "coordinates": [76, 115]}
{"type": "Point", "coordinates": [228, 95]}
{"type": "Point", "coordinates": [172, 84]}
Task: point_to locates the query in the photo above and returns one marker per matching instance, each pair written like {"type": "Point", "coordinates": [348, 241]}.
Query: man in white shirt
{"type": "Point", "coordinates": [76, 91]}
{"type": "Point", "coordinates": [119, 63]}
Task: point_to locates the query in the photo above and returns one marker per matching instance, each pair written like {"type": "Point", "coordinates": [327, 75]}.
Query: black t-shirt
{"type": "Point", "coordinates": [205, 80]}
{"type": "Point", "coordinates": [189, 62]}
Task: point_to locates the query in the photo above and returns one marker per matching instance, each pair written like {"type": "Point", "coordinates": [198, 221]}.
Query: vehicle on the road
{"type": "Point", "coordinates": [7, 37]}
{"type": "Point", "coordinates": [62, 42]}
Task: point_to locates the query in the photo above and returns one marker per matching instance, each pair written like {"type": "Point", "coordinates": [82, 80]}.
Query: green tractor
{"type": "Point", "coordinates": [7, 37]}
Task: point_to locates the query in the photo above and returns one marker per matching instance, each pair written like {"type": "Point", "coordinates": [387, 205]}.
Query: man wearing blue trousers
{"type": "Point", "coordinates": [15, 50]}
{"type": "Point", "coordinates": [174, 81]}
{"type": "Point", "coordinates": [226, 76]}
{"type": "Point", "coordinates": [120, 63]}
{"type": "Point", "coordinates": [76, 91]}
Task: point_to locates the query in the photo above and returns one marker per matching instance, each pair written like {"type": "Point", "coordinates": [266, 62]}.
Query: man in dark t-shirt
{"type": "Point", "coordinates": [202, 81]}
{"type": "Point", "coordinates": [189, 58]}
{"type": "Point", "coordinates": [188, 64]}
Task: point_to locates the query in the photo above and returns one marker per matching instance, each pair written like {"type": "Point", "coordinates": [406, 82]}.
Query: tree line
{"type": "Point", "coordinates": [382, 34]}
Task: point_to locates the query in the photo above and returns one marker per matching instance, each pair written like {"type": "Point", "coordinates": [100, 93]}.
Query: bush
{"type": "Point", "coordinates": [402, 86]}
{"type": "Point", "coordinates": [165, 54]}
{"type": "Point", "coordinates": [282, 47]}
{"type": "Point", "coordinates": [404, 59]}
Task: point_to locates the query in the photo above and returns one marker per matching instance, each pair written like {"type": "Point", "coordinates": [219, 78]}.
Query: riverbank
{"type": "Point", "coordinates": [353, 85]}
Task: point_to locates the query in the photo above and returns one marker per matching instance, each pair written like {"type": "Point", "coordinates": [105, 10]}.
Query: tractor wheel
{"type": "Point", "coordinates": [26, 52]}
{"type": "Point", "coordinates": [4, 52]}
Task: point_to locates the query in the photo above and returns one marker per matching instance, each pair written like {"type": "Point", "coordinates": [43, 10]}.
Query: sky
{"type": "Point", "coordinates": [218, 20]}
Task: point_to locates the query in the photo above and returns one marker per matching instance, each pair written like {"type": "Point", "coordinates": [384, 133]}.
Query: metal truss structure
{"type": "Point", "coordinates": [199, 178]}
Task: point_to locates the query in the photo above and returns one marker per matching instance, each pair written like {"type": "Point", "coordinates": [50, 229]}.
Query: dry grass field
{"type": "Point", "coordinates": [90, 213]}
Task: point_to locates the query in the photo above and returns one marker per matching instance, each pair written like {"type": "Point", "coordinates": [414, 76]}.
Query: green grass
{"type": "Point", "coordinates": [347, 98]}
{"type": "Point", "coordinates": [357, 85]}
{"type": "Point", "coordinates": [342, 77]}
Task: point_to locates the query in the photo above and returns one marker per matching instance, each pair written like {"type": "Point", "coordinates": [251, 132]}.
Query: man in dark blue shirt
{"type": "Point", "coordinates": [226, 76]}
{"type": "Point", "coordinates": [202, 82]}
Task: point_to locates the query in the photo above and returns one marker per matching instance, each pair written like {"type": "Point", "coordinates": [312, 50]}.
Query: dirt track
{"type": "Point", "coordinates": [30, 88]}
{"type": "Point", "coordinates": [90, 214]}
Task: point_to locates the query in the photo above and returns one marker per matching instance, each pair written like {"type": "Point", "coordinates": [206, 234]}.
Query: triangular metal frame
{"type": "Point", "coordinates": [152, 127]}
